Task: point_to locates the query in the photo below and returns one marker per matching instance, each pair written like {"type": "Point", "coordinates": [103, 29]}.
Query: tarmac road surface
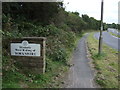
{"type": "Point", "coordinates": [109, 39]}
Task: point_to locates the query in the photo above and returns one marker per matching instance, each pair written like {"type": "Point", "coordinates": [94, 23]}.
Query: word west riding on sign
{"type": "Point", "coordinates": [25, 49]}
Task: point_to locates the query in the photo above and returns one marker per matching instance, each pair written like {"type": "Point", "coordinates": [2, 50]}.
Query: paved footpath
{"type": "Point", "coordinates": [80, 74]}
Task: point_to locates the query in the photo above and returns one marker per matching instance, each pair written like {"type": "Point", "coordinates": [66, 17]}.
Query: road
{"type": "Point", "coordinates": [110, 40]}
{"type": "Point", "coordinates": [80, 75]}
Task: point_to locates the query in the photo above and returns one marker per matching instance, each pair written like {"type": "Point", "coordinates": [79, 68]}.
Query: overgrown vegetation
{"type": "Point", "coordinates": [105, 64]}
{"type": "Point", "coordinates": [57, 53]}
{"type": "Point", "coordinates": [60, 43]}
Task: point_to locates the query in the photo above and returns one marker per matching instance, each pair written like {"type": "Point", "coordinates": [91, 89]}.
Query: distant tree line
{"type": "Point", "coordinates": [113, 25]}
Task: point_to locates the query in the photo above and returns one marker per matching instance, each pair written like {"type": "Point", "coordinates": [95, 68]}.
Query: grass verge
{"type": "Point", "coordinates": [105, 64]}
{"type": "Point", "coordinates": [116, 35]}
{"type": "Point", "coordinates": [52, 78]}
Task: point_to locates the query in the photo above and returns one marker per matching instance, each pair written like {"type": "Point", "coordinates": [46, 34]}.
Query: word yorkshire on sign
{"type": "Point", "coordinates": [29, 54]}
{"type": "Point", "coordinates": [25, 49]}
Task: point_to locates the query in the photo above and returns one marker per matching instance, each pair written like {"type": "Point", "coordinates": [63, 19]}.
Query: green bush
{"type": "Point", "coordinates": [59, 54]}
{"type": "Point", "coordinates": [65, 27]}
{"type": "Point", "coordinates": [49, 30]}
{"type": "Point", "coordinates": [13, 34]}
{"type": "Point", "coordinates": [58, 40]}
{"type": "Point", "coordinates": [58, 45]}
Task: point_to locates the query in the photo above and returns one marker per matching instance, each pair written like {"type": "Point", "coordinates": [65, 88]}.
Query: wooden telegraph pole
{"type": "Point", "coordinates": [101, 37]}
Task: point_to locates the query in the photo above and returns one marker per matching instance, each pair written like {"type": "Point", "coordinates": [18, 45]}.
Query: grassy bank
{"type": "Point", "coordinates": [106, 65]}
{"type": "Point", "coordinates": [116, 35]}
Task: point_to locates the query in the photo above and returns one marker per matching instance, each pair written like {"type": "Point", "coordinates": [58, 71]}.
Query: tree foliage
{"type": "Point", "coordinates": [38, 12]}
{"type": "Point", "coordinates": [113, 25]}
{"type": "Point", "coordinates": [92, 23]}
{"type": "Point", "coordinates": [44, 13]}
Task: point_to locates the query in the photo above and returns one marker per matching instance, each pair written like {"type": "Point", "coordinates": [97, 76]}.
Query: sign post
{"type": "Point", "coordinates": [29, 54]}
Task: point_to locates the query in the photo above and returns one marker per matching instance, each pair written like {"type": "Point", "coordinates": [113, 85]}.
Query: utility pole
{"type": "Point", "coordinates": [101, 29]}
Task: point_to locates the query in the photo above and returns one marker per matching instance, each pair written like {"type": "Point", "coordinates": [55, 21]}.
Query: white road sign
{"type": "Point", "coordinates": [25, 49]}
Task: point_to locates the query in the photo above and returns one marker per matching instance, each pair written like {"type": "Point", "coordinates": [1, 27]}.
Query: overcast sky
{"type": "Point", "coordinates": [93, 8]}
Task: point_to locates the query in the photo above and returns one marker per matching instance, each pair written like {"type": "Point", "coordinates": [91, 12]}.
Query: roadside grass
{"type": "Point", "coordinates": [116, 35]}
{"type": "Point", "coordinates": [105, 64]}
{"type": "Point", "coordinates": [51, 79]}
{"type": "Point", "coordinates": [89, 31]}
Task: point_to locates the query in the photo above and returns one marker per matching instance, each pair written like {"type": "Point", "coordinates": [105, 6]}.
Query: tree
{"type": "Point", "coordinates": [41, 12]}
{"type": "Point", "coordinates": [75, 22]}
{"type": "Point", "coordinates": [91, 23]}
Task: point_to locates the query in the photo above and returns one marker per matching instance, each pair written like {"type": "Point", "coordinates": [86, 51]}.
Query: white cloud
{"type": "Point", "coordinates": [93, 8]}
